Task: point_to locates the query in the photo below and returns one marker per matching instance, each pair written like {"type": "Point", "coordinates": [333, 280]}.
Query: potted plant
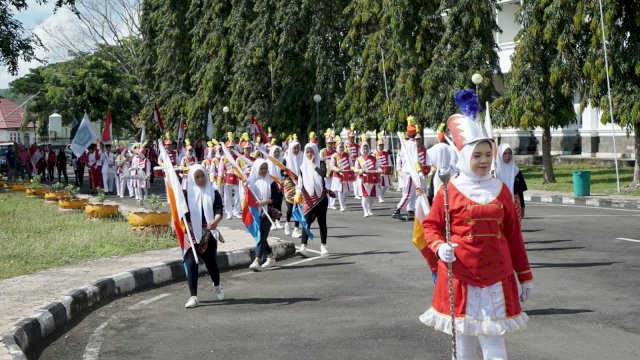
{"type": "Point", "coordinates": [18, 187]}
{"type": "Point", "coordinates": [99, 209]}
{"type": "Point", "coordinates": [35, 188]}
{"type": "Point", "coordinates": [71, 201]}
{"type": "Point", "coordinates": [150, 217]}
{"type": "Point", "coordinates": [57, 191]}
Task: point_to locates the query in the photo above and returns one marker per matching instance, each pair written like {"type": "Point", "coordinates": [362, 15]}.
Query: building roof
{"type": "Point", "coordinates": [10, 119]}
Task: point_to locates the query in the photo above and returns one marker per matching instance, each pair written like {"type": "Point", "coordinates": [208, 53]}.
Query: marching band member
{"type": "Point", "coordinates": [325, 155]}
{"type": "Point", "coordinates": [312, 193]}
{"type": "Point", "coordinates": [368, 170]}
{"type": "Point", "coordinates": [187, 161]}
{"type": "Point", "coordinates": [386, 168]}
{"type": "Point", "coordinates": [275, 172]}
{"type": "Point", "coordinates": [292, 161]}
{"type": "Point", "coordinates": [232, 188]}
{"type": "Point", "coordinates": [423, 166]}
{"type": "Point", "coordinates": [260, 146]}
{"type": "Point", "coordinates": [342, 169]}
{"type": "Point", "coordinates": [408, 198]}
{"type": "Point", "coordinates": [354, 151]}
{"type": "Point", "coordinates": [441, 156]}
{"type": "Point", "coordinates": [168, 146]}
{"type": "Point", "coordinates": [487, 252]}
{"type": "Point", "coordinates": [122, 173]}
{"type": "Point", "coordinates": [267, 194]}
{"type": "Point", "coordinates": [141, 169]}
{"type": "Point", "coordinates": [95, 168]}
{"type": "Point", "coordinates": [509, 173]}
{"type": "Point", "coordinates": [312, 138]}
{"type": "Point", "coordinates": [108, 170]}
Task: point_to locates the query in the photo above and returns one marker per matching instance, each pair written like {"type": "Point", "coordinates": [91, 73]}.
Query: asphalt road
{"type": "Point", "coordinates": [363, 301]}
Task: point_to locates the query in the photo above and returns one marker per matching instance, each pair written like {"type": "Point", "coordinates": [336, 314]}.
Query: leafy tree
{"type": "Point", "coordinates": [15, 44]}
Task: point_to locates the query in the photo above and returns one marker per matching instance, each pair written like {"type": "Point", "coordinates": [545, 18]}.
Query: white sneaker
{"type": "Point", "coordinates": [303, 250]}
{"type": "Point", "coordinates": [193, 302]}
{"type": "Point", "coordinates": [278, 225]}
{"type": "Point", "coordinates": [287, 229]}
{"type": "Point", "coordinates": [358, 197]}
{"type": "Point", "coordinates": [333, 208]}
{"type": "Point", "coordinates": [238, 216]}
{"type": "Point", "coordinates": [217, 290]}
{"type": "Point", "coordinates": [269, 263]}
{"type": "Point", "coordinates": [255, 265]}
{"type": "Point", "coordinates": [273, 227]}
{"type": "Point", "coordinates": [366, 214]}
{"type": "Point", "coordinates": [342, 209]}
{"type": "Point", "coordinates": [323, 250]}
{"type": "Point", "coordinates": [380, 200]}
{"type": "Point", "coordinates": [228, 216]}
{"type": "Point", "coordinates": [297, 233]}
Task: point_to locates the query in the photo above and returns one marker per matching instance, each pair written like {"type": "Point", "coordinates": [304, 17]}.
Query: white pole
{"type": "Point", "coordinates": [606, 67]}
{"type": "Point", "coordinates": [386, 93]}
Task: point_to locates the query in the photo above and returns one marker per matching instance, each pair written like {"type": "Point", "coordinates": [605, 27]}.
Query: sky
{"type": "Point", "coordinates": [32, 19]}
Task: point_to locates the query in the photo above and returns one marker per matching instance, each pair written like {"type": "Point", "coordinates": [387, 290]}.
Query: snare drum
{"type": "Point", "coordinates": [387, 170]}
{"type": "Point", "coordinates": [348, 175]}
{"type": "Point", "coordinates": [231, 179]}
{"type": "Point", "coordinates": [371, 178]}
{"type": "Point", "coordinates": [158, 171]}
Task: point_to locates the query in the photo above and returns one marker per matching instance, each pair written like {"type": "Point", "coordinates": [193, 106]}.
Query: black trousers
{"type": "Point", "coordinates": [63, 171]}
{"type": "Point", "coordinates": [209, 259]}
{"type": "Point", "coordinates": [318, 212]}
{"type": "Point", "coordinates": [263, 247]}
{"type": "Point", "coordinates": [290, 212]}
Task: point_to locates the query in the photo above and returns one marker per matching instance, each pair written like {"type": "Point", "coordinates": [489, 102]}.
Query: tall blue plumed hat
{"type": "Point", "coordinates": [465, 128]}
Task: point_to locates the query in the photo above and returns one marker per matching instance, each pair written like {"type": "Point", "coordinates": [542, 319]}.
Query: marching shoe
{"type": "Point", "coordinates": [342, 209]}
{"type": "Point", "coordinates": [396, 215]}
{"type": "Point", "coordinates": [323, 250]}
{"type": "Point", "coordinates": [273, 227]}
{"type": "Point", "coordinates": [297, 233]}
{"type": "Point", "coordinates": [193, 302]}
{"type": "Point", "coordinates": [303, 250]}
{"type": "Point", "coordinates": [217, 290]}
{"type": "Point", "coordinates": [228, 216]}
{"type": "Point", "coordinates": [238, 216]}
{"type": "Point", "coordinates": [357, 197]}
{"type": "Point", "coordinates": [333, 207]}
{"type": "Point", "coordinates": [410, 215]}
{"type": "Point", "coordinates": [287, 229]}
{"type": "Point", "coordinates": [255, 265]}
{"type": "Point", "coordinates": [278, 225]}
{"type": "Point", "coordinates": [380, 200]}
{"type": "Point", "coordinates": [269, 263]}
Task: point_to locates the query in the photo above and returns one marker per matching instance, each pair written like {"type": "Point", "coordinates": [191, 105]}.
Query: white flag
{"type": "Point", "coordinates": [487, 122]}
{"type": "Point", "coordinates": [209, 126]}
{"type": "Point", "coordinates": [85, 136]}
{"type": "Point", "coordinates": [142, 138]}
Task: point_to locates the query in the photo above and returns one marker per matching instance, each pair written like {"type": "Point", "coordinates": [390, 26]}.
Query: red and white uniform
{"type": "Point", "coordinates": [384, 160]}
{"type": "Point", "coordinates": [141, 169]}
{"type": "Point", "coordinates": [340, 162]}
{"type": "Point", "coordinates": [185, 163]}
{"type": "Point", "coordinates": [232, 188]}
{"type": "Point", "coordinates": [325, 155]}
{"type": "Point", "coordinates": [95, 169]}
{"type": "Point", "coordinates": [354, 151]}
{"type": "Point", "coordinates": [367, 164]}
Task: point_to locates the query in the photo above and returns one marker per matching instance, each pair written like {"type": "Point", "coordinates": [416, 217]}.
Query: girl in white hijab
{"type": "Point", "coordinates": [486, 254]}
{"type": "Point", "coordinates": [510, 175]}
{"type": "Point", "coordinates": [311, 193]}
{"type": "Point", "coordinates": [292, 160]}
{"type": "Point", "coordinates": [266, 192]}
{"type": "Point", "coordinates": [205, 213]}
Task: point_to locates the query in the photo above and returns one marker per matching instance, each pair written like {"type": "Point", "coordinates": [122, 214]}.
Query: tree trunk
{"type": "Point", "coordinates": [636, 170]}
{"type": "Point", "coordinates": [549, 177]}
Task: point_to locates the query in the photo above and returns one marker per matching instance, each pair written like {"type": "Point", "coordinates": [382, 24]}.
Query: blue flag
{"type": "Point", "coordinates": [299, 217]}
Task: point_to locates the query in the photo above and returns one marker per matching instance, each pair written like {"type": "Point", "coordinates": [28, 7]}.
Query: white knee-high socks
{"type": "Point", "coordinates": [366, 205]}
{"type": "Point", "coordinates": [493, 347]}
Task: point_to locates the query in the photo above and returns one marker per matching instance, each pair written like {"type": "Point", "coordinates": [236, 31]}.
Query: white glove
{"type": "Point", "coordinates": [446, 252]}
{"type": "Point", "coordinates": [526, 291]}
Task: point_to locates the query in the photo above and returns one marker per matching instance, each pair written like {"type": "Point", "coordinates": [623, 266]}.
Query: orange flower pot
{"type": "Point", "coordinates": [69, 203]}
{"type": "Point", "coordinates": [101, 210]}
{"type": "Point", "coordinates": [149, 218]}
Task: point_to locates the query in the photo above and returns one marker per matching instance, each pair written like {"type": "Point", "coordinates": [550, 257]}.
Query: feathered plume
{"type": "Point", "coordinates": [467, 101]}
{"type": "Point", "coordinates": [380, 136]}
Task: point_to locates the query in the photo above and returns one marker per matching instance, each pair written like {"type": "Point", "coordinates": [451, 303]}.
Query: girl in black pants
{"type": "Point", "coordinates": [266, 192]}
{"type": "Point", "coordinates": [205, 213]}
{"type": "Point", "coordinates": [312, 193]}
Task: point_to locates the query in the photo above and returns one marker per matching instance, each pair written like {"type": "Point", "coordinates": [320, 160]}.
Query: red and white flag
{"type": "Point", "coordinates": [256, 129]}
{"type": "Point", "coordinates": [157, 117]}
{"type": "Point", "coordinates": [107, 131]}
{"type": "Point", "coordinates": [181, 132]}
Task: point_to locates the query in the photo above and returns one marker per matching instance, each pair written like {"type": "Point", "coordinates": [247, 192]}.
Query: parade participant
{"type": "Point", "coordinates": [260, 146]}
{"type": "Point", "coordinates": [61, 165]}
{"type": "Point", "coordinates": [423, 159]}
{"type": "Point", "coordinates": [386, 168]}
{"type": "Point", "coordinates": [23, 163]}
{"type": "Point", "coordinates": [205, 213]}
{"type": "Point", "coordinates": [117, 175]}
{"type": "Point", "coordinates": [141, 168]}
{"type": "Point", "coordinates": [51, 164]}
{"type": "Point", "coordinates": [198, 151]}
{"type": "Point", "coordinates": [325, 156]}
{"type": "Point", "coordinates": [368, 170]}
{"type": "Point", "coordinates": [312, 193]}
{"type": "Point", "coordinates": [41, 165]}
{"type": "Point", "coordinates": [276, 174]}
{"type": "Point", "coordinates": [312, 138]}
{"type": "Point", "coordinates": [357, 184]}
{"type": "Point", "coordinates": [108, 170]}
{"type": "Point", "coordinates": [232, 188]}
{"type": "Point", "coordinates": [509, 173]}
{"type": "Point", "coordinates": [293, 160]}
{"type": "Point", "coordinates": [352, 147]}
{"type": "Point", "coordinates": [487, 250]}
{"type": "Point", "coordinates": [95, 167]}
{"type": "Point", "coordinates": [408, 198]}
{"type": "Point", "coordinates": [441, 156]}
{"type": "Point", "coordinates": [209, 164]}
{"type": "Point", "coordinates": [342, 182]}
{"type": "Point", "coordinates": [80, 165]}
{"type": "Point", "coordinates": [168, 148]}
{"type": "Point", "coordinates": [123, 165]}
{"type": "Point", "coordinates": [186, 162]}
{"type": "Point", "coordinates": [267, 193]}
{"type": "Point", "coordinates": [152, 155]}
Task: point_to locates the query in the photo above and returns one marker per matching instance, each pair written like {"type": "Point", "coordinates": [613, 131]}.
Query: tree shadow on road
{"type": "Point", "coordinates": [546, 241]}
{"type": "Point", "coordinates": [352, 235]}
{"type": "Point", "coordinates": [556, 311]}
{"type": "Point", "coordinates": [557, 249]}
{"type": "Point", "coordinates": [572, 265]}
{"type": "Point", "coordinates": [531, 230]}
{"type": "Point", "coordinates": [259, 301]}
{"type": "Point", "coordinates": [318, 265]}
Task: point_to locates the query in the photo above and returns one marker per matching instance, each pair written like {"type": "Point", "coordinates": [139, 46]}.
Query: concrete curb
{"type": "Point", "coordinates": [583, 201]}
{"type": "Point", "coordinates": [32, 330]}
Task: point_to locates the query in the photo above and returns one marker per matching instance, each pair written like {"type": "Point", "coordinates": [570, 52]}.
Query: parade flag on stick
{"type": "Point", "coordinates": [248, 161]}
{"type": "Point", "coordinates": [181, 132]}
{"type": "Point", "coordinates": [280, 166]}
{"type": "Point", "coordinates": [108, 130]}
{"type": "Point", "coordinates": [251, 214]}
{"type": "Point", "coordinates": [85, 136]}
{"type": "Point", "coordinates": [257, 129]}
{"type": "Point", "coordinates": [177, 202]}
{"type": "Point", "coordinates": [142, 136]}
{"type": "Point", "coordinates": [157, 117]}
{"type": "Point", "coordinates": [35, 155]}
{"type": "Point", "coordinates": [209, 125]}
{"type": "Point", "coordinates": [298, 216]}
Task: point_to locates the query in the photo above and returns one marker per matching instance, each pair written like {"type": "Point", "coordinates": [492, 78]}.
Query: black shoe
{"type": "Point", "coordinates": [410, 215]}
{"type": "Point", "coordinates": [396, 215]}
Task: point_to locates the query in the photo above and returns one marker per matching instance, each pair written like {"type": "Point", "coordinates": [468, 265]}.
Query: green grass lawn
{"type": "Point", "coordinates": [603, 179]}
{"type": "Point", "coordinates": [35, 235]}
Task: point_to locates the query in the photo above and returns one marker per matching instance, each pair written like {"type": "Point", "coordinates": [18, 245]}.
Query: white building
{"type": "Point", "coordinates": [11, 119]}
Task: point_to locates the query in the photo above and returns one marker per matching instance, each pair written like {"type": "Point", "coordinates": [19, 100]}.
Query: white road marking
{"type": "Point", "coordinates": [625, 239]}
{"type": "Point", "coordinates": [309, 250]}
{"type": "Point", "coordinates": [282, 266]}
{"type": "Point", "coordinates": [92, 350]}
{"type": "Point", "coordinates": [580, 206]}
{"type": "Point", "coordinates": [148, 301]}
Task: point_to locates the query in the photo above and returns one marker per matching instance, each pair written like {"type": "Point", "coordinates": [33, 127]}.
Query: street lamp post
{"type": "Point", "coordinates": [317, 99]}
{"type": "Point", "coordinates": [477, 80]}
{"type": "Point", "coordinates": [225, 110]}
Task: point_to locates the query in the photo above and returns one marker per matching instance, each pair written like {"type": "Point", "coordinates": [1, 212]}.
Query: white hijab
{"type": "Point", "coordinates": [199, 198]}
{"type": "Point", "coordinates": [480, 189]}
{"type": "Point", "coordinates": [294, 161]}
{"type": "Point", "coordinates": [440, 157]}
{"type": "Point", "coordinates": [506, 172]}
{"type": "Point", "coordinates": [273, 169]}
{"type": "Point", "coordinates": [311, 180]}
{"type": "Point", "coordinates": [261, 185]}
